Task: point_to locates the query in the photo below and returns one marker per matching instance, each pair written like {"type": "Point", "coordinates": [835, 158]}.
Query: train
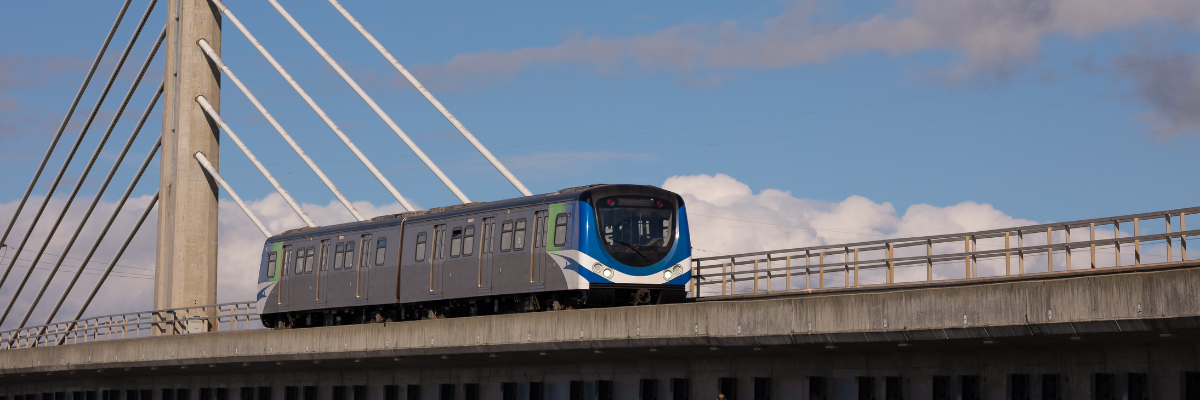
{"type": "Point", "coordinates": [583, 247]}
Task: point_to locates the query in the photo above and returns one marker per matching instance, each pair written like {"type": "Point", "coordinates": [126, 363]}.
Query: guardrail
{"type": "Point", "coordinates": [175, 321]}
{"type": "Point", "coordinates": [1038, 248]}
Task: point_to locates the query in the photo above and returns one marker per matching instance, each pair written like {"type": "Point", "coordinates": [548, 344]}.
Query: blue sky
{"type": "Point", "coordinates": [823, 99]}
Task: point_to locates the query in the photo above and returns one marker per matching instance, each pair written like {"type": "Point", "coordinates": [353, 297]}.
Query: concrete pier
{"type": "Point", "coordinates": [186, 268]}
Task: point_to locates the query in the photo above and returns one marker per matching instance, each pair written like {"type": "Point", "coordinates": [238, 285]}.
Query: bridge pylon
{"type": "Point", "coordinates": [186, 258]}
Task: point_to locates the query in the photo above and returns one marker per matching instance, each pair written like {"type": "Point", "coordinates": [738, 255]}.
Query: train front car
{"type": "Point", "coordinates": [633, 245]}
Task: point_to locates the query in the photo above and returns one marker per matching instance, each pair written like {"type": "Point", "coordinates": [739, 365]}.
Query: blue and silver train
{"type": "Point", "coordinates": [590, 246]}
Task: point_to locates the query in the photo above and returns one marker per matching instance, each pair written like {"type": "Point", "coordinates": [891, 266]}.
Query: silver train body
{"type": "Point", "coordinates": [592, 246]}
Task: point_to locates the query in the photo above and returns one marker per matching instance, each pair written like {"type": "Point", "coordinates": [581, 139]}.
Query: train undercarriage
{"type": "Point", "coordinates": [599, 296]}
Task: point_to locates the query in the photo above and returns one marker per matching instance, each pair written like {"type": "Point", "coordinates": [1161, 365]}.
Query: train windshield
{"type": "Point", "coordinates": [636, 230]}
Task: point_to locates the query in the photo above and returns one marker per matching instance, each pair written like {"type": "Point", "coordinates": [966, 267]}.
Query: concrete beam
{"type": "Point", "coordinates": [1096, 305]}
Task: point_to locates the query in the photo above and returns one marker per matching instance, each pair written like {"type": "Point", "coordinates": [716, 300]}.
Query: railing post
{"type": "Point", "coordinates": [755, 283]}
{"type": "Point", "coordinates": [1167, 218]}
{"type": "Point", "coordinates": [1007, 257]}
{"type": "Point", "coordinates": [975, 258]}
{"type": "Point", "coordinates": [732, 275]}
{"type": "Point", "coordinates": [855, 267]}
{"type": "Point", "coordinates": [846, 266]}
{"type": "Point", "coordinates": [695, 290]}
{"type": "Point", "coordinates": [787, 277]}
{"type": "Point", "coordinates": [1117, 240]}
{"type": "Point", "coordinates": [1021, 252]}
{"type": "Point", "coordinates": [770, 266]}
{"type": "Point", "coordinates": [1092, 238]}
{"type": "Point", "coordinates": [821, 271]}
{"type": "Point", "coordinates": [967, 255]}
{"type": "Point", "coordinates": [807, 262]}
{"type": "Point", "coordinates": [1049, 250]}
{"type": "Point", "coordinates": [1182, 238]}
{"type": "Point", "coordinates": [1137, 243]}
{"type": "Point", "coordinates": [1067, 230]}
{"type": "Point", "coordinates": [891, 266]}
{"type": "Point", "coordinates": [929, 260]}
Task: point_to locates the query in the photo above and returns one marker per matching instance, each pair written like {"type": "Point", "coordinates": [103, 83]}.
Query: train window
{"type": "Point", "coordinates": [439, 242]}
{"type": "Point", "coordinates": [366, 251]}
{"type": "Point", "coordinates": [420, 251]}
{"type": "Point", "coordinates": [456, 242]}
{"type": "Point", "coordinates": [308, 263]}
{"type": "Point", "coordinates": [271, 259]}
{"type": "Point", "coordinates": [489, 235]}
{"type": "Point", "coordinates": [519, 235]}
{"type": "Point", "coordinates": [339, 257]}
{"type": "Point", "coordinates": [287, 259]}
{"type": "Point", "coordinates": [349, 255]}
{"type": "Point", "coordinates": [323, 258]}
{"type": "Point", "coordinates": [539, 230]}
{"type": "Point", "coordinates": [300, 261]}
{"type": "Point", "coordinates": [468, 240]}
{"type": "Point", "coordinates": [560, 230]}
{"type": "Point", "coordinates": [380, 251]}
{"type": "Point", "coordinates": [506, 236]}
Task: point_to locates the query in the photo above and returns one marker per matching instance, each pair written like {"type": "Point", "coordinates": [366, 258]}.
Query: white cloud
{"type": "Point", "coordinates": [727, 217]}
{"type": "Point", "coordinates": [987, 38]}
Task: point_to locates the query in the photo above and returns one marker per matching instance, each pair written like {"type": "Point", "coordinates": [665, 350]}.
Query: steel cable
{"type": "Point", "coordinates": [112, 218]}
{"type": "Point", "coordinates": [92, 207]}
{"type": "Point", "coordinates": [137, 81]}
{"type": "Point", "coordinates": [212, 56]}
{"type": "Point", "coordinates": [78, 141]}
{"type": "Point", "coordinates": [317, 109]}
{"type": "Point", "coordinates": [387, 120]}
{"type": "Point", "coordinates": [63, 126]}
{"type": "Point", "coordinates": [117, 257]}
{"type": "Point", "coordinates": [462, 129]}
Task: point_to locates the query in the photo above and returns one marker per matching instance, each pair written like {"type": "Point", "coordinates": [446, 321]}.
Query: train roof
{"type": "Point", "coordinates": [447, 211]}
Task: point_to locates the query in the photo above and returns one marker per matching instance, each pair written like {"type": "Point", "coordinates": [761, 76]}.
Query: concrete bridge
{"type": "Point", "coordinates": [1071, 334]}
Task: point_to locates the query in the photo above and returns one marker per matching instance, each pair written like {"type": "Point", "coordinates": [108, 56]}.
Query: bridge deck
{"type": "Point", "coordinates": [1076, 303]}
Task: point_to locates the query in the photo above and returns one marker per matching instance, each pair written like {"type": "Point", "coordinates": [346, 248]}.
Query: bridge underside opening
{"type": "Point", "coordinates": [1122, 363]}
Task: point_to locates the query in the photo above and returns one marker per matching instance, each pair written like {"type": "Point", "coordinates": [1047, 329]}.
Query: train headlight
{"type": "Point", "coordinates": [607, 273]}
{"type": "Point", "coordinates": [677, 270]}
{"type": "Point", "coordinates": [667, 275]}
{"type": "Point", "coordinates": [597, 268]}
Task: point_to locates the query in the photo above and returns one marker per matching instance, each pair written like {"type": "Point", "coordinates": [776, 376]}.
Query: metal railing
{"type": "Point", "coordinates": [1038, 248]}
{"type": "Point", "coordinates": [175, 321]}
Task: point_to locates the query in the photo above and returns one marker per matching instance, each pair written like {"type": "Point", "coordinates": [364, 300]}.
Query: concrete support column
{"type": "Point", "coordinates": [186, 270]}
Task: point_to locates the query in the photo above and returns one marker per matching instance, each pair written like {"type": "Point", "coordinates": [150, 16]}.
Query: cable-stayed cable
{"type": "Point", "coordinates": [208, 108]}
{"type": "Point", "coordinates": [92, 207]}
{"type": "Point", "coordinates": [111, 219]}
{"type": "Point", "coordinates": [66, 118]}
{"type": "Point", "coordinates": [117, 257]}
{"type": "Point", "coordinates": [371, 103]}
{"type": "Point", "coordinates": [212, 56]}
{"type": "Point", "coordinates": [212, 172]}
{"type": "Point", "coordinates": [313, 104]}
{"type": "Point", "coordinates": [462, 129]}
{"type": "Point", "coordinates": [88, 169]}
{"type": "Point", "coordinates": [78, 141]}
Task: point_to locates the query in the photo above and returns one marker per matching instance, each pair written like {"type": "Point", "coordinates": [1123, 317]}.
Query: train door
{"type": "Point", "coordinates": [285, 274]}
{"type": "Point", "coordinates": [537, 272]}
{"type": "Point", "coordinates": [323, 271]}
{"type": "Point", "coordinates": [364, 263]}
{"type": "Point", "coordinates": [486, 249]}
{"type": "Point", "coordinates": [439, 257]}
